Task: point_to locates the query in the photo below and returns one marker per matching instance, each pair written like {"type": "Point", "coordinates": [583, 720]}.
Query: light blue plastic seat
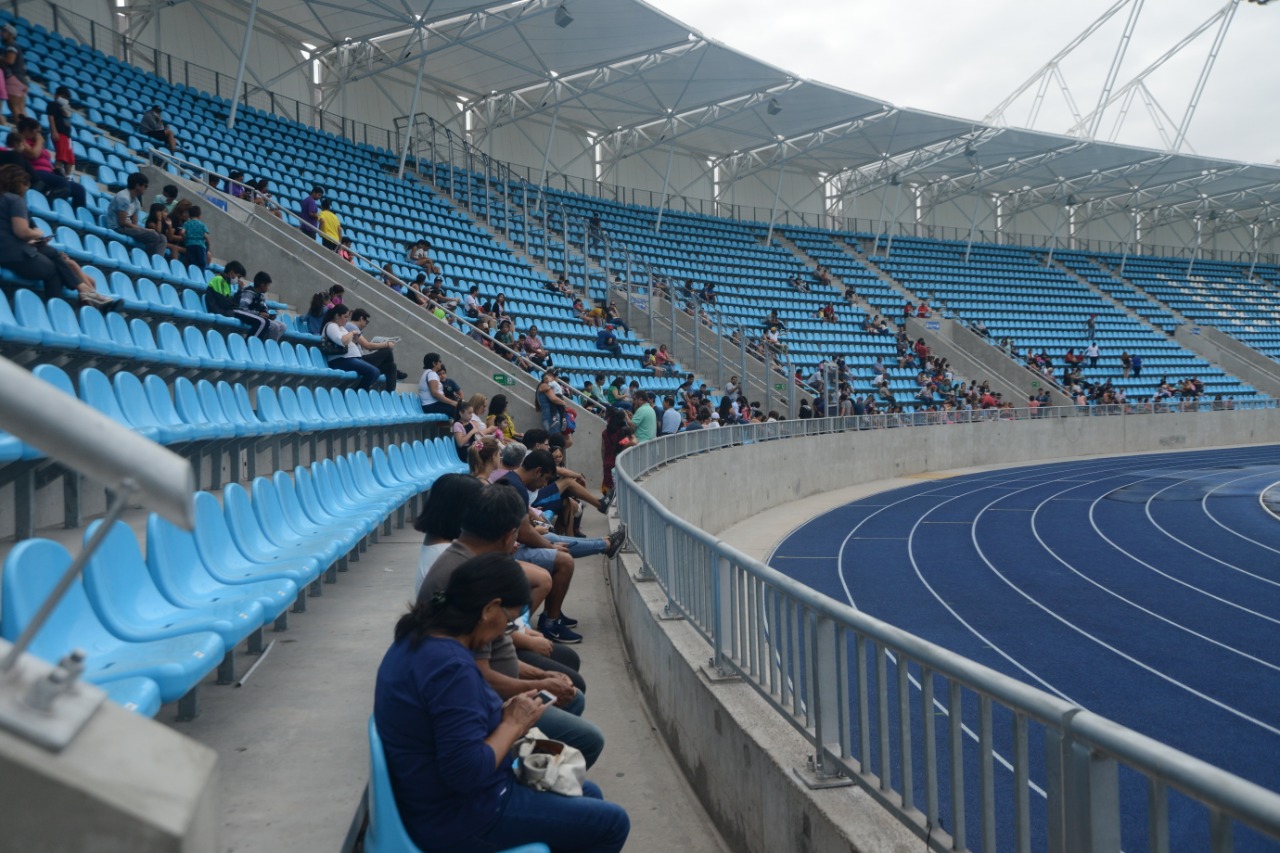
{"type": "Point", "coordinates": [29, 310]}
{"type": "Point", "coordinates": [270, 412]}
{"type": "Point", "coordinates": [231, 411]}
{"type": "Point", "coordinates": [97, 334]}
{"type": "Point", "coordinates": [148, 349]}
{"type": "Point", "coordinates": [225, 561]}
{"type": "Point", "coordinates": [198, 349]}
{"type": "Point", "coordinates": [150, 294]}
{"type": "Point", "coordinates": [96, 390]}
{"type": "Point", "coordinates": [129, 603]}
{"type": "Point", "coordinates": [167, 416]}
{"type": "Point", "coordinates": [265, 536]}
{"type": "Point", "coordinates": [170, 342]}
{"type": "Point", "coordinates": [386, 832]}
{"type": "Point", "coordinates": [11, 329]}
{"type": "Point", "coordinates": [176, 664]}
{"type": "Point", "coordinates": [310, 409]}
{"type": "Point", "coordinates": [139, 694]}
{"type": "Point", "coordinates": [136, 405]}
{"type": "Point", "coordinates": [289, 529]}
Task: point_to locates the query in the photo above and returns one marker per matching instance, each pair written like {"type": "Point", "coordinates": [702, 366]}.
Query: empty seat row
{"type": "Point", "coordinates": [155, 626]}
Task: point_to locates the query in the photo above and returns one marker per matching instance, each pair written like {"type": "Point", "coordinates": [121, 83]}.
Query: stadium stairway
{"type": "Point", "coordinates": [698, 354]}
{"type": "Point", "coordinates": [300, 267]}
{"type": "Point", "coordinates": [970, 355]}
{"type": "Point", "coordinates": [1207, 341]}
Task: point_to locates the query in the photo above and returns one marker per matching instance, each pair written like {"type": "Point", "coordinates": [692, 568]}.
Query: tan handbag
{"type": "Point", "coordinates": [550, 765]}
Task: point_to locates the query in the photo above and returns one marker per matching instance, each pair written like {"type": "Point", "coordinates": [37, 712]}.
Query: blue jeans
{"type": "Point", "coordinates": [566, 724]}
{"type": "Point", "coordinates": [585, 824]}
{"type": "Point", "coordinates": [546, 557]}
{"type": "Point", "coordinates": [368, 373]}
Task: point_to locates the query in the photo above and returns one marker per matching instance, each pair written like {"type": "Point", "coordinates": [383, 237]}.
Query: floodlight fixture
{"type": "Point", "coordinates": [773, 107]}
{"type": "Point", "coordinates": [563, 18]}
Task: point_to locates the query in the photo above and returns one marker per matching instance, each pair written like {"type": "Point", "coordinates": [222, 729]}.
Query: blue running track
{"type": "Point", "coordinates": [1144, 588]}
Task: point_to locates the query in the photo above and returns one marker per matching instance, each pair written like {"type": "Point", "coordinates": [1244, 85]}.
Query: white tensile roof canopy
{"type": "Point", "coordinates": [639, 79]}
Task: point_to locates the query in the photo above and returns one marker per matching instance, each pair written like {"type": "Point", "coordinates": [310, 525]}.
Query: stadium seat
{"type": "Point", "coordinates": [175, 664]}
{"type": "Point", "coordinates": [386, 832]}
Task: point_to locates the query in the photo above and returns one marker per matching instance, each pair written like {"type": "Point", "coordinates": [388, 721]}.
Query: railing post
{"type": "Point", "coordinates": [827, 679]}
{"type": "Point", "coordinates": [723, 630]}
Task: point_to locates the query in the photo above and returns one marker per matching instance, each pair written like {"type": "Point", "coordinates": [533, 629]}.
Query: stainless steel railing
{"type": "Point", "coordinates": [893, 712]}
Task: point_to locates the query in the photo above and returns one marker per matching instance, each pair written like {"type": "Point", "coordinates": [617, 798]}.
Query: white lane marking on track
{"type": "Point", "coordinates": [1261, 503]}
{"type": "Point", "coordinates": [1204, 508]}
{"type": "Point", "coordinates": [1105, 538]}
{"type": "Point", "coordinates": [1108, 646]}
{"type": "Point", "coordinates": [1036, 532]}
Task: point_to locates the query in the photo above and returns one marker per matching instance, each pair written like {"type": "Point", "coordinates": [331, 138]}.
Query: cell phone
{"type": "Point", "coordinates": [546, 697]}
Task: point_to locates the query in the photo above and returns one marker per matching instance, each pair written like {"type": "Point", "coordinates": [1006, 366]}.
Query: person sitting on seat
{"type": "Point", "coordinates": [251, 309]}
{"type": "Point", "coordinates": [122, 215]}
{"type": "Point", "coordinates": [153, 125]}
{"type": "Point", "coordinates": [606, 340]}
{"type": "Point", "coordinates": [448, 735]}
{"type": "Point", "coordinates": [29, 142]}
{"type": "Point", "coordinates": [26, 252]}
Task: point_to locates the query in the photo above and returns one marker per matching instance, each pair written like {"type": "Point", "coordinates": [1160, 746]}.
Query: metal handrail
{"type": "Point", "coordinates": [793, 645]}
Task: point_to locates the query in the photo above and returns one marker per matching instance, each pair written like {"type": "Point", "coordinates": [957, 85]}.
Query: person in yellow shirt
{"type": "Point", "coordinates": [330, 226]}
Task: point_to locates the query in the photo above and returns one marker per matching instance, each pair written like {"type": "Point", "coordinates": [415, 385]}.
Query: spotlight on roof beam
{"type": "Point", "coordinates": [563, 18]}
{"type": "Point", "coordinates": [773, 107]}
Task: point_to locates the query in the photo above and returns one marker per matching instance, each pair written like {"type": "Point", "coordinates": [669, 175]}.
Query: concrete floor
{"type": "Point", "coordinates": [291, 741]}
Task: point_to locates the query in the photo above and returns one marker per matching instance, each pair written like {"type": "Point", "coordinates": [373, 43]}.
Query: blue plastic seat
{"type": "Point", "coordinates": [150, 294]}
{"type": "Point", "coordinates": [226, 561]}
{"type": "Point", "coordinates": [32, 568]}
{"type": "Point", "coordinates": [139, 694]}
{"type": "Point", "coordinates": [129, 603]}
{"type": "Point", "coordinates": [245, 409]}
{"type": "Point", "coordinates": [270, 412]}
{"type": "Point", "coordinates": [96, 390]}
{"type": "Point", "coordinates": [170, 342]}
{"type": "Point", "coordinates": [11, 329]}
{"type": "Point", "coordinates": [266, 535]}
{"type": "Point", "coordinates": [29, 311]}
{"type": "Point", "coordinates": [386, 832]}
{"type": "Point", "coordinates": [310, 411]}
{"type": "Point", "coordinates": [289, 529]}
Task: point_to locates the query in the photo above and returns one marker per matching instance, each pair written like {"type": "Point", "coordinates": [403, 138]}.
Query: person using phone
{"type": "Point", "coordinates": [449, 738]}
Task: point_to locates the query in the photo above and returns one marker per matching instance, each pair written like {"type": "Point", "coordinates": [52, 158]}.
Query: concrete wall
{"type": "Point", "coordinates": [735, 750]}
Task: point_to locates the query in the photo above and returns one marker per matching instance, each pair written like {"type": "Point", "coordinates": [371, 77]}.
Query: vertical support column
{"type": "Point", "coordinates": [411, 130]}
{"type": "Point", "coordinates": [244, 58]}
{"type": "Point", "coordinates": [666, 182]}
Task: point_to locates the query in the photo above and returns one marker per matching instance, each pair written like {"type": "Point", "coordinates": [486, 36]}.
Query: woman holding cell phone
{"type": "Point", "coordinates": [448, 737]}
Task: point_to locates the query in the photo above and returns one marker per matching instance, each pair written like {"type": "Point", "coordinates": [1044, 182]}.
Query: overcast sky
{"type": "Point", "coordinates": [964, 58]}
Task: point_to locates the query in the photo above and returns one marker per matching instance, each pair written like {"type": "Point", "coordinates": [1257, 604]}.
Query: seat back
{"type": "Point", "coordinates": [386, 832]}
{"type": "Point", "coordinates": [242, 522]}
{"type": "Point", "coordinates": [29, 310]}
{"type": "Point", "coordinates": [134, 401]}
{"type": "Point", "coordinates": [31, 571]}
{"type": "Point", "coordinates": [195, 342]}
{"type": "Point", "coordinates": [118, 585]}
{"type": "Point", "coordinates": [118, 328]}
{"type": "Point", "coordinates": [171, 340]}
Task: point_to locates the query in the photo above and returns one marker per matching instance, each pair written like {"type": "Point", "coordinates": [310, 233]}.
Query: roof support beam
{"type": "Point", "coordinates": [244, 57]}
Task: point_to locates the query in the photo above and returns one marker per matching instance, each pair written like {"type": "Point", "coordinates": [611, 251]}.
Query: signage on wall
{"type": "Point", "coordinates": [503, 379]}
{"type": "Point", "coordinates": [933, 325]}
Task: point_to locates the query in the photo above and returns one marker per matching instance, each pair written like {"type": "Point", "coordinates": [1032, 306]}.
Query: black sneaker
{"type": "Point", "coordinates": [558, 632]}
{"type": "Point", "coordinates": [400, 374]}
{"type": "Point", "coordinates": [605, 502]}
{"type": "Point", "coordinates": [616, 540]}
{"type": "Point", "coordinates": [543, 621]}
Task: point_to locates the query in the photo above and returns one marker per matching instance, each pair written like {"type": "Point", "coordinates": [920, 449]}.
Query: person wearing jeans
{"type": "Point", "coordinates": [336, 332]}
{"type": "Point", "coordinates": [449, 731]}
